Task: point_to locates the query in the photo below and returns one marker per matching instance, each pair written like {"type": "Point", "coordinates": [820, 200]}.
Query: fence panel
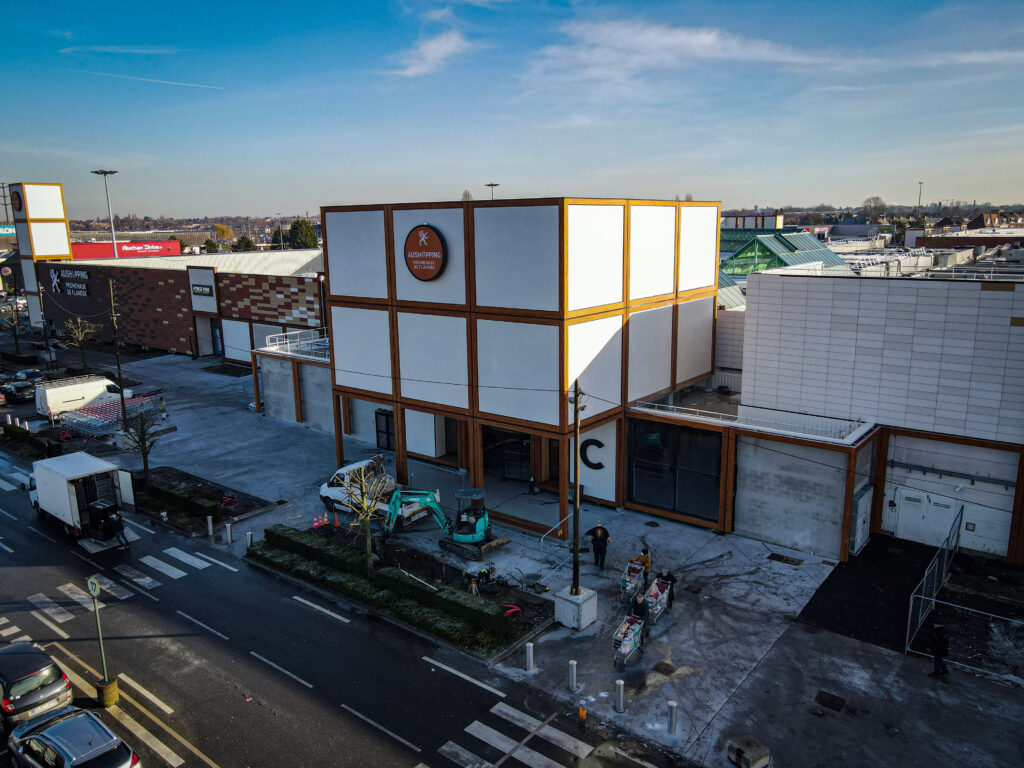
{"type": "Point", "coordinates": [935, 576]}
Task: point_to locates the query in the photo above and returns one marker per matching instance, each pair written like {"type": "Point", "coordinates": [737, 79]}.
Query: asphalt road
{"type": "Point", "coordinates": [225, 665]}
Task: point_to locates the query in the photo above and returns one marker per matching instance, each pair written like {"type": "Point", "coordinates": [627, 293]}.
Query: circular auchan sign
{"type": "Point", "coordinates": [16, 202]}
{"type": "Point", "coordinates": [425, 252]}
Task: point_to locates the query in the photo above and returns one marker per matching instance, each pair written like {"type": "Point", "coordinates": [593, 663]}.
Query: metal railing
{"type": "Point", "coordinates": [305, 343]}
{"type": "Point", "coordinates": [922, 599]}
{"type": "Point", "coordinates": [837, 432]}
{"type": "Point", "coordinates": [554, 527]}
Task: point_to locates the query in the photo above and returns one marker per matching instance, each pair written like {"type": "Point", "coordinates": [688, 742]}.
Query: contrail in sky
{"type": "Point", "coordinates": [150, 80]}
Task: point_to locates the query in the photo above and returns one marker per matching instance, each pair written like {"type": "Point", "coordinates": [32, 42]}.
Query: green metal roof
{"type": "Point", "coordinates": [730, 294]}
{"type": "Point", "coordinates": [795, 248]}
{"type": "Point", "coordinates": [731, 240]}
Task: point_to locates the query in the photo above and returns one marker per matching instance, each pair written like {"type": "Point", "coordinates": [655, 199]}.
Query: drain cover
{"type": "Point", "coordinates": [785, 559]}
{"type": "Point", "coordinates": [830, 701]}
{"type": "Point", "coordinates": [652, 524]}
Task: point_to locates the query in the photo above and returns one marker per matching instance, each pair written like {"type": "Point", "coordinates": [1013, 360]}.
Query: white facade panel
{"type": "Point", "coordinates": [650, 352]}
{"type": "Point", "coordinates": [28, 275]}
{"type": "Point", "coordinates": [517, 370]}
{"type": "Point", "coordinates": [260, 333]}
{"type": "Point", "coordinates": [597, 465]}
{"type": "Point", "coordinates": [652, 250]}
{"type": "Point", "coordinates": [202, 289]}
{"type": "Point", "coordinates": [49, 238]}
{"type": "Point", "coordinates": [450, 286]}
{"type": "Point", "coordinates": [595, 358]}
{"type": "Point", "coordinates": [698, 246]}
{"type": "Point", "coordinates": [35, 315]}
{"type": "Point", "coordinates": [44, 201]}
{"type": "Point", "coordinates": [728, 340]}
{"type": "Point", "coordinates": [433, 358]}
{"type": "Point", "coordinates": [694, 338]}
{"type": "Point", "coordinates": [595, 255]}
{"type": "Point", "coordinates": [361, 348]}
{"type": "Point", "coordinates": [516, 257]}
{"type": "Point", "coordinates": [237, 345]}
{"type": "Point", "coordinates": [424, 433]}
{"type": "Point", "coordinates": [24, 239]}
{"type": "Point", "coordinates": [356, 254]}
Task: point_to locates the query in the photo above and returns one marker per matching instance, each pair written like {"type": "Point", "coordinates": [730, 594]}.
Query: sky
{"type": "Point", "coordinates": [258, 108]}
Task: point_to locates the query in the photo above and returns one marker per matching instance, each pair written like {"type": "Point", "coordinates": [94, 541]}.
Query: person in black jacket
{"type": "Point", "coordinates": [599, 538]}
{"type": "Point", "coordinates": [666, 576]}
{"type": "Point", "coordinates": [940, 649]}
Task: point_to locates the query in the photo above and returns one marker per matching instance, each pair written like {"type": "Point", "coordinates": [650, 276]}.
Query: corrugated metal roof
{"type": "Point", "coordinates": [730, 294]}
{"type": "Point", "coordinates": [306, 262]}
{"type": "Point", "coordinates": [799, 248]}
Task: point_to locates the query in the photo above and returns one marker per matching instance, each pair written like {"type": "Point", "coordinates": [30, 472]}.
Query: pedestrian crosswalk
{"type": "Point", "coordinates": [512, 737]}
{"type": "Point", "coordinates": [11, 477]}
{"type": "Point", "coordinates": [12, 633]}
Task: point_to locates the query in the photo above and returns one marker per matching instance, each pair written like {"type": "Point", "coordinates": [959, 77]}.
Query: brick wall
{"type": "Point", "coordinates": [270, 299]}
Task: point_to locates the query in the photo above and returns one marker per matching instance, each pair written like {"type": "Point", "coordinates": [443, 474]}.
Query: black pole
{"type": "Point", "coordinates": [576, 489]}
{"type": "Point", "coordinates": [117, 357]}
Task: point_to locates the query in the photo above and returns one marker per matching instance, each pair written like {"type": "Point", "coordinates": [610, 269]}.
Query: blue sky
{"type": "Point", "coordinates": [255, 108]}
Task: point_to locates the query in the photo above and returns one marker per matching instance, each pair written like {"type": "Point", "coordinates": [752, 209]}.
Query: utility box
{"type": "Point", "coordinates": [748, 752]}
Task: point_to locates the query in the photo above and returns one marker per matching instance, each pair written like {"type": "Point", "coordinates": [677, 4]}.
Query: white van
{"type": "Point", "coordinates": [63, 395]}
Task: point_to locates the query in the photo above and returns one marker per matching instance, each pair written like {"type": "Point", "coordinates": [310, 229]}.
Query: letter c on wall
{"type": "Point", "coordinates": [587, 445]}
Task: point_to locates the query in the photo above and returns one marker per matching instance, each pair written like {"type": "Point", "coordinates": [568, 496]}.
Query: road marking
{"type": "Point", "coordinates": [79, 595]}
{"type": "Point", "coordinates": [5, 513]}
{"type": "Point", "coordinates": [40, 533]}
{"type": "Point", "coordinates": [632, 758]}
{"type": "Point", "coordinates": [6, 549]}
{"type": "Point", "coordinates": [164, 568]}
{"type": "Point", "coordinates": [204, 626]}
{"type": "Point", "coordinates": [7, 486]}
{"type": "Point", "coordinates": [462, 756]}
{"type": "Point", "coordinates": [218, 562]}
{"type": "Point", "coordinates": [381, 728]}
{"type": "Point", "coordinates": [8, 631]}
{"type": "Point", "coordinates": [19, 477]}
{"type": "Point", "coordinates": [53, 627]}
{"type": "Point", "coordinates": [22, 639]}
{"type": "Point", "coordinates": [3, 620]}
{"type": "Point", "coordinates": [113, 587]}
{"type": "Point", "coordinates": [464, 676]}
{"type": "Point", "coordinates": [280, 669]}
{"type": "Point", "coordinates": [50, 608]}
{"type": "Point", "coordinates": [509, 746]}
{"type": "Point", "coordinates": [181, 740]}
{"type": "Point", "coordinates": [147, 529]}
{"type": "Point", "coordinates": [146, 737]}
{"type": "Point", "coordinates": [147, 694]}
{"type": "Point", "coordinates": [579, 748]}
{"type": "Point", "coordinates": [90, 562]}
{"type": "Point", "coordinates": [186, 558]}
{"type": "Point", "coordinates": [141, 591]}
{"type": "Point", "coordinates": [322, 610]}
{"type": "Point", "coordinates": [139, 578]}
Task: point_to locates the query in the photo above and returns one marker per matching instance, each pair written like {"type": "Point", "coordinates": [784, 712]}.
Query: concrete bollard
{"type": "Point", "coordinates": [530, 666]}
{"type": "Point", "coordinates": [672, 716]}
{"type": "Point", "coordinates": [620, 695]}
{"type": "Point", "coordinates": [8, 419]}
{"type": "Point", "coordinates": [248, 539]}
{"type": "Point", "coordinates": [209, 526]}
{"type": "Point", "coordinates": [572, 677]}
{"type": "Point", "coordinates": [227, 533]}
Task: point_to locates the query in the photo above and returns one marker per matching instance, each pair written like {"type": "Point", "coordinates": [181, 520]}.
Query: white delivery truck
{"type": "Point", "coordinates": [83, 493]}
{"type": "Point", "coordinates": [56, 397]}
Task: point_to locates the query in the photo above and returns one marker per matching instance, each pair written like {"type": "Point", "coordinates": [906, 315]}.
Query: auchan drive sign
{"type": "Point", "coordinates": [425, 253]}
{"type": "Point", "coordinates": [126, 250]}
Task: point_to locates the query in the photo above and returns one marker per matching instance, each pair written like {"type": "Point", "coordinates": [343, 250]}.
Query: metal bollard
{"type": "Point", "coordinates": [620, 695]}
{"type": "Point", "coordinates": [572, 677]}
{"type": "Point", "coordinates": [248, 539]}
{"type": "Point", "coordinates": [227, 533]}
{"type": "Point", "coordinates": [530, 666]}
{"type": "Point", "coordinates": [8, 418]}
{"type": "Point", "coordinates": [672, 716]}
{"type": "Point", "coordinates": [209, 526]}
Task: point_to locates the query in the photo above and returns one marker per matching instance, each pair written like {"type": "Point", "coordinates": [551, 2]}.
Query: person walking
{"type": "Point", "coordinates": [666, 576]}
{"type": "Point", "coordinates": [599, 538]}
{"type": "Point", "coordinates": [162, 408]}
{"type": "Point", "coordinates": [641, 611]}
{"type": "Point", "coordinates": [119, 530]}
{"type": "Point", "coordinates": [644, 558]}
{"type": "Point", "coordinates": [940, 649]}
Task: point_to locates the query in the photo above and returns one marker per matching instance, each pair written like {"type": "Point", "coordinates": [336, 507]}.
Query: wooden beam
{"type": "Point", "coordinates": [297, 391]}
{"type": "Point", "coordinates": [339, 439]}
{"type": "Point", "coordinates": [881, 470]}
{"type": "Point", "coordinates": [256, 383]}
{"type": "Point", "coordinates": [346, 415]}
{"type": "Point", "coordinates": [1015, 550]}
{"type": "Point", "coordinates": [730, 480]}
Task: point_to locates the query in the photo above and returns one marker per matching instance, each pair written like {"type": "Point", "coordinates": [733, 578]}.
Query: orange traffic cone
{"type": "Point", "coordinates": [316, 521]}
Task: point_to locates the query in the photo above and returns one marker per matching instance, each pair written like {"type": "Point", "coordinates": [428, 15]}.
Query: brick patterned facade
{"type": "Point", "coordinates": [270, 299]}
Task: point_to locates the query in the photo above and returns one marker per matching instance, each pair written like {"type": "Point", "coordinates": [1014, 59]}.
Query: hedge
{"type": "Point", "coordinates": [45, 445]}
{"type": "Point", "coordinates": [319, 550]}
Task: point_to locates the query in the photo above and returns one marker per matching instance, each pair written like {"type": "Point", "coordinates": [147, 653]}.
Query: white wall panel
{"type": "Point", "coordinates": [361, 347]}
{"type": "Point", "coordinates": [516, 257]}
{"type": "Point", "coordinates": [424, 433]}
{"type": "Point", "coordinates": [728, 340]}
{"type": "Point", "coordinates": [652, 250]}
{"type": "Point", "coordinates": [450, 287]}
{"type": "Point", "coordinates": [28, 274]}
{"type": "Point", "coordinates": [35, 315]}
{"type": "Point", "coordinates": [44, 201]}
{"type": "Point", "coordinates": [694, 338]}
{"type": "Point", "coordinates": [517, 369]}
{"type": "Point", "coordinates": [50, 239]}
{"type": "Point", "coordinates": [260, 333]}
{"type": "Point", "coordinates": [599, 483]}
{"type": "Point", "coordinates": [356, 253]}
{"type": "Point", "coordinates": [650, 351]}
{"type": "Point", "coordinates": [237, 345]}
{"type": "Point", "coordinates": [595, 357]}
{"type": "Point", "coordinates": [432, 348]}
{"type": "Point", "coordinates": [24, 239]}
{"type": "Point", "coordinates": [595, 255]}
{"type": "Point", "coordinates": [698, 246]}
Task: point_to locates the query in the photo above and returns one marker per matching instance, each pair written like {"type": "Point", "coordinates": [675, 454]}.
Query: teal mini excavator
{"type": "Point", "coordinates": [469, 536]}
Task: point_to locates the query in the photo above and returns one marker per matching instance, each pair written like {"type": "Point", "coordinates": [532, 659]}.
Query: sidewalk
{"type": "Point", "coordinates": [730, 652]}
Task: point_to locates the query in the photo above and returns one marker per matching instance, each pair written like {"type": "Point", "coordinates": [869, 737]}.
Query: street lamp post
{"type": "Point", "coordinates": [104, 173]}
{"type": "Point", "coordinates": [920, 186]}
{"type": "Point", "coordinates": [492, 185]}
{"type": "Point", "coordinates": [280, 228]}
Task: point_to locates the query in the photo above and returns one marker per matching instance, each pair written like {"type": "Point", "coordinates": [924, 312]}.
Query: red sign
{"type": "Point", "coordinates": [126, 250]}
{"type": "Point", "coordinates": [425, 253]}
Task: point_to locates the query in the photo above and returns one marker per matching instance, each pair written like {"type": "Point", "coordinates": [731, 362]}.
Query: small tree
{"type": "Point", "coordinates": [10, 317]}
{"type": "Point", "coordinates": [244, 243]}
{"type": "Point", "coordinates": [77, 332]}
{"type": "Point", "coordinates": [364, 490]}
{"type": "Point", "coordinates": [223, 232]}
{"type": "Point", "coordinates": [139, 437]}
{"type": "Point", "coordinates": [210, 246]}
{"type": "Point", "coordinates": [301, 234]}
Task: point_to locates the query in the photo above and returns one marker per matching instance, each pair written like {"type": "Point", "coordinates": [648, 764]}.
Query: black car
{"type": "Point", "coordinates": [30, 374]}
{"type": "Point", "coordinates": [19, 391]}
{"type": "Point", "coordinates": [30, 683]}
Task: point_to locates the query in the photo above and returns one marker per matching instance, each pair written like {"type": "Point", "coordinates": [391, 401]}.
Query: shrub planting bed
{"type": "Point", "coordinates": [187, 499]}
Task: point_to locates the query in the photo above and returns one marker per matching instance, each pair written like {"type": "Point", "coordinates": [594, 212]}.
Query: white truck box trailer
{"type": "Point", "coordinates": [82, 492]}
{"type": "Point", "coordinates": [56, 397]}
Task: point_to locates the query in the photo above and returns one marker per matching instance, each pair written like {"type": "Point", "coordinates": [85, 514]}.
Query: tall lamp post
{"type": "Point", "coordinates": [104, 173]}
{"type": "Point", "coordinates": [920, 186]}
{"type": "Point", "coordinates": [280, 228]}
{"type": "Point", "coordinates": [492, 185]}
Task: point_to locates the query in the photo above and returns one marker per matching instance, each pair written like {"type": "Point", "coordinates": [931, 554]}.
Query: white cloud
{"type": "Point", "coordinates": [966, 58]}
{"type": "Point", "coordinates": [152, 80]}
{"type": "Point", "coordinates": [64, 33]}
{"type": "Point", "coordinates": [136, 50]}
{"type": "Point", "coordinates": [430, 54]}
{"type": "Point", "coordinates": [444, 15]}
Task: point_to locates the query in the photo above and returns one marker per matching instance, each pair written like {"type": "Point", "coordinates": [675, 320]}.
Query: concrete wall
{"type": "Point", "coordinates": [729, 339]}
{"type": "Point", "coordinates": [276, 388]}
{"type": "Point", "coordinates": [317, 412]}
{"type": "Point", "coordinates": [361, 415]}
{"type": "Point", "coordinates": [791, 495]}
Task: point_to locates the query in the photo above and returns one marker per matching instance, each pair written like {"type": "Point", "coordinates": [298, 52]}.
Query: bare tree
{"type": "Point", "coordinates": [139, 435]}
{"type": "Point", "coordinates": [688, 198]}
{"type": "Point", "coordinates": [77, 332]}
{"type": "Point", "coordinates": [466, 195]}
{"type": "Point", "coordinates": [365, 491]}
{"type": "Point", "coordinates": [10, 317]}
{"type": "Point", "coordinates": [873, 207]}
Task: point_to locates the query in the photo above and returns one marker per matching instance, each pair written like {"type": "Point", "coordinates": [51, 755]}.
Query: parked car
{"type": "Point", "coordinates": [19, 391]}
{"type": "Point", "coordinates": [3, 399]}
{"type": "Point", "coordinates": [68, 737]}
{"type": "Point", "coordinates": [30, 683]}
{"type": "Point", "coordinates": [30, 374]}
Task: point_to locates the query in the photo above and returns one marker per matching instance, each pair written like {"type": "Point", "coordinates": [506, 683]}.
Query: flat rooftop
{"type": "Point", "coordinates": [298, 263]}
